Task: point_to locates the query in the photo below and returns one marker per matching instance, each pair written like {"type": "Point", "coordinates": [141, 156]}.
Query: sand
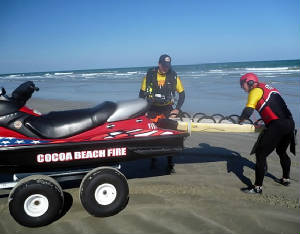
{"type": "Point", "coordinates": [203, 196]}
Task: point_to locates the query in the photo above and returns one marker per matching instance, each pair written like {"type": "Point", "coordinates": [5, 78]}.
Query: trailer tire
{"type": "Point", "coordinates": [104, 192]}
{"type": "Point", "coordinates": [36, 201]}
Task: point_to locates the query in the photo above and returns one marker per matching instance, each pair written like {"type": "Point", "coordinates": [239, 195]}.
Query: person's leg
{"type": "Point", "coordinates": [152, 113]}
{"type": "Point", "coordinates": [285, 160]}
{"type": "Point", "coordinates": [169, 124]}
{"type": "Point", "coordinates": [266, 145]}
{"type": "Point", "coordinates": [170, 168]}
{"type": "Point", "coordinates": [281, 149]}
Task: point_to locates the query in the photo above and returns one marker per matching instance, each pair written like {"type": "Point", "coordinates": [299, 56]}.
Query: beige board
{"type": "Point", "coordinates": [215, 127]}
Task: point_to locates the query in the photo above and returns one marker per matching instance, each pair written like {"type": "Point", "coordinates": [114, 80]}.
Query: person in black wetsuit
{"type": "Point", "coordinates": [279, 132]}
{"type": "Point", "coordinates": [159, 87]}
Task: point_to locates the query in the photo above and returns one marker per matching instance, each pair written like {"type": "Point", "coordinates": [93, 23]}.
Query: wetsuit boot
{"type": "Point", "coordinates": [283, 181]}
{"type": "Point", "coordinates": [170, 166]}
{"type": "Point", "coordinates": [252, 190]}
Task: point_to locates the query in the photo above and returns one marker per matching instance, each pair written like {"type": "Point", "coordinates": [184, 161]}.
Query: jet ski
{"type": "Point", "coordinates": [42, 150]}
{"type": "Point", "coordinates": [107, 133]}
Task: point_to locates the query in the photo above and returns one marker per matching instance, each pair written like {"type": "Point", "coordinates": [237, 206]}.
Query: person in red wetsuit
{"type": "Point", "coordinates": [279, 130]}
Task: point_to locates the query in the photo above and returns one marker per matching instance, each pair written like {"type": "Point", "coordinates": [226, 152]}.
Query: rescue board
{"type": "Point", "coordinates": [215, 127]}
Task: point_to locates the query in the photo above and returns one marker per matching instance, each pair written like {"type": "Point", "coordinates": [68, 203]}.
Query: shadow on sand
{"type": "Point", "coordinates": [202, 154]}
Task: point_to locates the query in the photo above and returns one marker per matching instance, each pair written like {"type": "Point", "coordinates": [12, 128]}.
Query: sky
{"type": "Point", "coordinates": [56, 35]}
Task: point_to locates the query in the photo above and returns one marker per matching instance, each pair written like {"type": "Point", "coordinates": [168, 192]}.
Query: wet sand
{"type": "Point", "coordinates": [203, 196]}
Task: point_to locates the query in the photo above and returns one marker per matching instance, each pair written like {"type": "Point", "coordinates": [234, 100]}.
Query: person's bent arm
{"type": "Point", "coordinates": [180, 100]}
{"type": "Point", "coordinates": [180, 91]}
{"type": "Point", "coordinates": [247, 112]}
{"type": "Point", "coordinates": [142, 94]}
{"type": "Point", "coordinates": [254, 96]}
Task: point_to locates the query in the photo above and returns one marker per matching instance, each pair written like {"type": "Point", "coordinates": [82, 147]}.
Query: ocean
{"type": "Point", "coordinates": [210, 88]}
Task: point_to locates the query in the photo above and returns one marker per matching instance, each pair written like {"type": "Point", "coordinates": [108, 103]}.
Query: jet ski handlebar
{"type": "Point", "coordinates": [20, 95]}
{"type": "Point", "coordinates": [23, 93]}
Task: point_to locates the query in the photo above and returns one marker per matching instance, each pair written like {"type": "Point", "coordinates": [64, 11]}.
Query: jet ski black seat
{"type": "Point", "coordinates": [62, 124]}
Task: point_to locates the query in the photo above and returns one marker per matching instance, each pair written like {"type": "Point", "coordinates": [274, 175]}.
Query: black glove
{"type": "Point", "coordinates": [247, 112]}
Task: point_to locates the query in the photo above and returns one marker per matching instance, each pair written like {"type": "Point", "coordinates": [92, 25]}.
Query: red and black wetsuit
{"type": "Point", "coordinates": [279, 128]}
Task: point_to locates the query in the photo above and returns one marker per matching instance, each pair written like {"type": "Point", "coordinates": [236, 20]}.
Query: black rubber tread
{"type": "Point", "coordinates": [36, 184]}
{"type": "Point", "coordinates": [97, 177]}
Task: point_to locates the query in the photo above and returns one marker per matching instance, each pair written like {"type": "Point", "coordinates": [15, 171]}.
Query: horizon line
{"type": "Point", "coordinates": [15, 73]}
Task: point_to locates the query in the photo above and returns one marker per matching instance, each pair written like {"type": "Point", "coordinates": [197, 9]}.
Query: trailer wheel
{"type": "Point", "coordinates": [36, 201]}
{"type": "Point", "coordinates": [104, 192]}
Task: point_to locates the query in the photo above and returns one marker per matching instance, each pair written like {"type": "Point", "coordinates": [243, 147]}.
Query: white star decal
{"type": "Point", "coordinates": [19, 141]}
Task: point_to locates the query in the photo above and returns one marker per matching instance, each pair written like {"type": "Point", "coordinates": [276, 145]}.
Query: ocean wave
{"type": "Point", "coordinates": [106, 73]}
{"type": "Point", "coordinates": [89, 74]}
{"type": "Point", "coordinates": [285, 73]}
{"type": "Point", "coordinates": [13, 76]}
{"type": "Point", "coordinates": [121, 74]}
{"type": "Point", "coordinates": [63, 73]}
{"type": "Point", "coordinates": [266, 68]}
{"type": "Point", "coordinates": [97, 74]}
{"type": "Point", "coordinates": [215, 70]}
{"type": "Point", "coordinates": [294, 70]}
{"type": "Point", "coordinates": [194, 75]}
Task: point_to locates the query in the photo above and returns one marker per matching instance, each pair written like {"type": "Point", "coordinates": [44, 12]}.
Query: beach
{"type": "Point", "coordinates": [73, 79]}
{"type": "Point", "coordinates": [203, 196]}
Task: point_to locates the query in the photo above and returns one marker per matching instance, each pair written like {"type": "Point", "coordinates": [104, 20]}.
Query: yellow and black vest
{"type": "Point", "coordinates": [162, 95]}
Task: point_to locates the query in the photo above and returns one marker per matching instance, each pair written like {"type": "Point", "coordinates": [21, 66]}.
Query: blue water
{"type": "Point", "coordinates": [210, 88]}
